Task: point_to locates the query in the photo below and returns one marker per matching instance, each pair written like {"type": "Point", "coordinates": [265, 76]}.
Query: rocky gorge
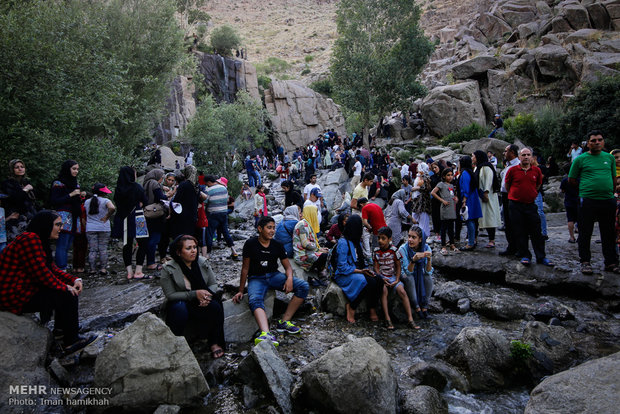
{"type": "Point", "coordinates": [464, 359]}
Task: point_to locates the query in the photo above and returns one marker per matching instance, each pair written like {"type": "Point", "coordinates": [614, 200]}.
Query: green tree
{"type": "Point", "coordinates": [224, 39]}
{"type": "Point", "coordinates": [378, 55]}
{"type": "Point", "coordinates": [84, 80]}
{"type": "Point", "coordinates": [217, 131]}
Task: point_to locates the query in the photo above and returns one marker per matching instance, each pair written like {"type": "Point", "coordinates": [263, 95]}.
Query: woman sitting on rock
{"type": "Point", "coordinates": [190, 285]}
{"type": "Point", "coordinates": [30, 281]}
{"type": "Point", "coordinates": [357, 282]}
{"type": "Point", "coordinates": [417, 270]}
{"type": "Point", "coordinates": [307, 252]}
{"type": "Point", "coordinates": [286, 229]}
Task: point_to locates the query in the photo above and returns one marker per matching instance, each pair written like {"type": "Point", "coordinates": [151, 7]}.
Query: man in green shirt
{"type": "Point", "coordinates": [596, 172]}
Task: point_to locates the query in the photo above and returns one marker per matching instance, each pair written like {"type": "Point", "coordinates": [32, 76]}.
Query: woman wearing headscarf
{"type": "Point", "coordinates": [395, 182]}
{"type": "Point", "coordinates": [189, 284]}
{"type": "Point", "coordinates": [129, 197]}
{"type": "Point", "coordinates": [335, 231]}
{"type": "Point", "coordinates": [186, 195]}
{"type": "Point", "coordinates": [354, 279]}
{"type": "Point", "coordinates": [489, 186]}
{"type": "Point", "coordinates": [19, 205]}
{"type": "Point", "coordinates": [291, 196]}
{"type": "Point", "coordinates": [307, 252]}
{"type": "Point", "coordinates": [286, 228]}
{"type": "Point", "coordinates": [417, 270]}
{"type": "Point", "coordinates": [65, 197]}
{"type": "Point", "coordinates": [31, 282]}
{"type": "Point", "coordinates": [468, 187]}
{"type": "Point", "coordinates": [435, 204]}
{"type": "Point", "coordinates": [422, 198]}
{"type": "Point", "coordinates": [395, 214]}
{"type": "Point", "coordinates": [154, 194]}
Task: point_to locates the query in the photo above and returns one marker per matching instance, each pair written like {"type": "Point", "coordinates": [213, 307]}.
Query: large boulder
{"type": "Point", "coordinates": [482, 355]}
{"type": "Point", "coordinates": [496, 146]}
{"type": "Point", "coordinates": [598, 16]}
{"type": "Point", "coordinates": [264, 369]}
{"type": "Point", "coordinates": [299, 114]}
{"type": "Point", "coordinates": [423, 400]}
{"type": "Point", "coordinates": [516, 12]}
{"type": "Point", "coordinates": [449, 108]}
{"type": "Point", "coordinates": [492, 27]}
{"type": "Point", "coordinates": [146, 365]}
{"type": "Point", "coordinates": [355, 377]}
{"type": "Point", "coordinates": [600, 64]}
{"type": "Point", "coordinates": [576, 15]}
{"type": "Point", "coordinates": [591, 387]}
{"type": "Point", "coordinates": [551, 60]}
{"type": "Point", "coordinates": [334, 301]}
{"type": "Point", "coordinates": [169, 159]}
{"type": "Point", "coordinates": [22, 363]}
{"type": "Point", "coordinates": [508, 90]}
{"type": "Point", "coordinates": [554, 349]}
{"type": "Point", "coordinates": [474, 67]}
{"type": "Point", "coordinates": [239, 322]}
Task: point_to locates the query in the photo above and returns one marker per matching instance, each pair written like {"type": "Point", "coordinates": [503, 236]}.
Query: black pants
{"type": "Point", "coordinates": [65, 308]}
{"type": "Point", "coordinates": [508, 226]}
{"type": "Point", "coordinates": [604, 212]}
{"type": "Point", "coordinates": [320, 263]}
{"type": "Point", "coordinates": [447, 226]}
{"type": "Point", "coordinates": [210, 317]}
{"type": "Point", "coordinates": [436, 215]}
{"type": "Point", "coordinates": [143, 243]}
{"type": "Point", "coordinates": [526, 226]}
{"type": "Point", "coordinates": [371, 292]}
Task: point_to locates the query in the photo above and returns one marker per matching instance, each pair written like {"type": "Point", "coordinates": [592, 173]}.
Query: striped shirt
{"type": "Point", "coordinates": [217, 199]}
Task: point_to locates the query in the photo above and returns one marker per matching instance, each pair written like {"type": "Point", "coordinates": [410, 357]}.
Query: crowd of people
{"type": "Point", "coordinates": [378, 240]}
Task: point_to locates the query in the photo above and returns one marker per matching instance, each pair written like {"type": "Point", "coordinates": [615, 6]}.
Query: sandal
{"type": "Point", "coordinates": [525, 261]}
{"type": "Point", "coordinates": [143, 277]}
{"type": "Point", "coordinates": [413, 325]}
{"type": "Point", "coordinates": [586, 268]}
{"type": "Point", "coordinates": [614, 268]}
{"type": "Point", "coordinates": [490, 245]}
{"type": "Point", "coordinates": [389, 325]}
{"type": "Point", "coordinates": [546, 262]}
{"type": "Point", "coordinates": [154, 266]}
{"type": "Point", "coordinates": [468, 248]}
{"type": "Point", "coordinates": [444, 251]}
{"type": "Point", "coordinates": [454, 249]}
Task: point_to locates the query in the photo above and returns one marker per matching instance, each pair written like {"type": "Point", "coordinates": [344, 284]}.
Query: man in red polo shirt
{"type": "Point", "coordinates": [373, 220]}
{"type": "Point", "coordinates": [522, 184]}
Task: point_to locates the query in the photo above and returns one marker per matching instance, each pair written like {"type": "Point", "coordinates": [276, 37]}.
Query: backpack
{"type": "Point", "coordinates": [332, 260]}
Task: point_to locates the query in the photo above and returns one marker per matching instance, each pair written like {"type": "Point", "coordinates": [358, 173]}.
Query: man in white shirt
{"type": "Point", "coordinates": [404, 169]}
{"type": "Point", "coordinates": [309, 187]}
{"type": "Point", "coordinates": [357, 173]}
{"type": "Point", "coordinates": [315, 198]}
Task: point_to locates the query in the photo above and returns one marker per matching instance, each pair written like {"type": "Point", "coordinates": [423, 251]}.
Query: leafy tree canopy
{"type": "Point", "coordinates": [378, 55]}
{"type": "Point", "coordinates": [224, 39]}
{"type": "Point", "coordinates": [84, 80]}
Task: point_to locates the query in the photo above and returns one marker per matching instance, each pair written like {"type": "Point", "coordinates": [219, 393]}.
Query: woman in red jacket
{"type": "Point", "coordinates": [30, 281]}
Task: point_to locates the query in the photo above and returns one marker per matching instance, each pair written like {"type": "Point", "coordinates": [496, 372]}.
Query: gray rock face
{"type": "Point", "coordinates": [550, 60]}
{"type": "Point", "coordinates": [355, 377]}
{"type": "Point", "coordinates": [450, 108]}
{"type": "Point", "coordinates": [552, 341]}
{"type": "Point", "coordinates": [482, 355]}
{"type": "Point", "coordinates": [22, 360]}
{"type": "Point", "coordinates": [225, 76]}
{"type": "Point", "coordinates": [598, 16]}
{"type": "Point", "coordinates": [492, 27]}
{"type": "Point", "coordinates": [239, 322]}
{"type": "Point", "coordinates": [299, 114]}
{"type": "Point", "coordinates": [180, 107]}
{"type": "Point", "coordinates": [576, 15]}
{"type": "Point", "coordinates": [423, 400]}
{"type": "Point", "coordinates": [116, 305]}
{"type": "Point", "coordinates": [496, 146]}
{"type": "Point", "coordinates": [264, 369]}
{"type": "Point", "coordinates": [474, 67]}
{"type": "Point", "coordinates": [505, 89]}
{"type": "Point", "coordinates": [147, 356]}
{"type": "Point", "coordinates": [591, 387]}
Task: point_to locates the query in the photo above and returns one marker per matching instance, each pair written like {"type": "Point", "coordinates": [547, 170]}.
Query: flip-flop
{"type": "Point", "coordinates": [546, 262]}
{"type": "Point", "coordinates": [490, 246]}
{"type": "Point", "coordinates": [525, 261]}
{"type": "Point", "coordinates": [389, 325]}
{"type": "Point", "coordinates": [144, 277]}
{"type": "Point", "coordinates": [412, 325]}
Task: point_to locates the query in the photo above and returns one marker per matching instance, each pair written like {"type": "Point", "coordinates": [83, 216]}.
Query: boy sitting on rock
{"type": "Point", "coordinates": [260, 269]}
{"type": "Point", "coordinates": [387, 266]}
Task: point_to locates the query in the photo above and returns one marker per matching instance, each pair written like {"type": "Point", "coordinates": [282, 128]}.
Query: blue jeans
{"type": "Point", "coordinates": [258, 286]}
{"type": "Point", "coordinates": [218, 221]}
{"type": "Point", "coordinates": [251, 182]}
{"type": "Point", "coordinates": [257, 178]}
{"type": "Point", "coordinates": [154, 238]}
{"type": "Point", "coordinates": [65, 240]}
{"type": "Point", "coordinates": [541, 213]}
{"type": "Point", "coordinates": [471, 231]}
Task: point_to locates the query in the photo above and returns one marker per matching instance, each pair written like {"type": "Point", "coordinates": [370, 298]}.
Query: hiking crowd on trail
{"type": "Point", "coordinates": [377, 240]}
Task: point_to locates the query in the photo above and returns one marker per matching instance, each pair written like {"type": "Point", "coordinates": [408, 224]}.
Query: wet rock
{"type": "Point", "coordinates": [424, 373]}
{"type": "Point", "coordinates": [482, 355]}
{"type": "Point", "coordinates": [423, 400]}
{"type": "Point", "coordinates": [554, 342]}
{"type": "Point", "coordinates": [148, 356]}
{"type": "Point", "coordinates": [250, 397]}
{"type": "Point", "coordinates": [115, 305]}
{"type": "Point", "coordinates": [264, 369]}
{"type": "Point", "coordinates": [449, 108]}
{"type": "Point", "coordinates": [591, 387]}
{"type": "Point", "coordinates": [327, 383]}
{"type": "Point", "coordinates": [239, 322]}
{"type": "Point", "coordinates": [464, 305]}
{"type": "Point", "coordinates": [334, 301]}
{"type": "Point", "coordinates": [167, 409]}
{"type": "Point", "coordinates": [25, 345]}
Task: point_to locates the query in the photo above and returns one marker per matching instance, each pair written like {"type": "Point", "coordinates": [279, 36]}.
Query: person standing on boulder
{"type": "Point", "coordinates": [260, 270]}
{"type": "Point", "coordinates": [511, 159]}
{"type": "Point", "coordinates": [216, 203]}
{"type": "Point", "coordinates": [596, 172]}
{"type": "Point", "coordinates": [522, 183]}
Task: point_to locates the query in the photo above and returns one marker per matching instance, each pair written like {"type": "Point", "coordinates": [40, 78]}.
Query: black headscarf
{"type": "Point", "coordinates": [65, 176]}
{"type": "Point", "coordinates": [193, 273]}
{"type": "Point", "coordinates": [341, 218]}
{"type": "Point", "coordinates": [353, 229]}
{"type": "Point", "coordinates": [482, 160]}
{"type": "Point", "coordinates": [292, 196]}
{"type": "Point", "coordinates": [466, 164]}
{"type": "Point", "coordinates": [127, 192]}
{"type": "Point", "coordinates": [42, 224]}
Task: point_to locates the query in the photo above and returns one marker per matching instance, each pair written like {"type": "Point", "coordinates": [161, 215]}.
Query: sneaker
{"type": "Point", "coordinates": [288, 327]}
{"type": "Point", "coordinates": [266, 336]}
{"type": "Point", "coordinates": [81, 343]}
